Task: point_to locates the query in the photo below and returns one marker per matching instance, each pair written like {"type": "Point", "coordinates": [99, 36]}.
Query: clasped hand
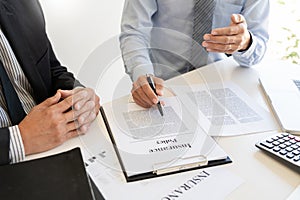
{"type": "Point", "coordinates": [65, 115]}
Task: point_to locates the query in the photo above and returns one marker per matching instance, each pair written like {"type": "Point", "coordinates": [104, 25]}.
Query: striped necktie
{"type": "Point", "coordinates": [14, 106]}
{"type": "Point", "coordinates": [203, 16]}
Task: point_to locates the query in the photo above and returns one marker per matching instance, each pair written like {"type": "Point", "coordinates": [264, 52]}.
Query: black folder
{"type": "Point", "coordinates": [57, 177]}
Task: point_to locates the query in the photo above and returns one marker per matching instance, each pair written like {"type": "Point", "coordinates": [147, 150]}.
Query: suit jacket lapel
{"type": "Point", "coordinates": [10, 26]}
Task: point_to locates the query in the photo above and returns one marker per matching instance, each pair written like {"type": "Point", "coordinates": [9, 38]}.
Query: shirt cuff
{"type": "Point", "coordinates": [246, 58]}
{"type": "Point", "coordinates": [16, 149]}
{"type": "Point", "coordinates": [141, 71]}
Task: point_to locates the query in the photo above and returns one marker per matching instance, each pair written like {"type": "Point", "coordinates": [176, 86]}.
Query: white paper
{"type": "Point", "coordinates": [103, 167]}
{"type": "Point", "coordinates": [223, 109]}
{"type": "Point", "coordinates": [147, 141]}
{"type": "Point", "coordinates": [295, 194]}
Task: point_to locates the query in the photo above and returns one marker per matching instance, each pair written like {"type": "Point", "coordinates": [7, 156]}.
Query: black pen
{"type": "Point", "coordinates": [152, 85]}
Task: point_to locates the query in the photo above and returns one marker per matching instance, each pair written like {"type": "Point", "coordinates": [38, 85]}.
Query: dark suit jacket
{"type": "Point", "coordinates": [23, 24]}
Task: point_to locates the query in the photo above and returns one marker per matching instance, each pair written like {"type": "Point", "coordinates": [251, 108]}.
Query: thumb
{"type": "Point", "coordinates": [52, 100]}
{"type": "Point", "coordinates": [159, 90]}
{"type": "Point", "coordinates": [237, 19]}
{"type": "Point", "coordinates": [65, 93]}
{"type": "Point", "coordinates": [159, 85]}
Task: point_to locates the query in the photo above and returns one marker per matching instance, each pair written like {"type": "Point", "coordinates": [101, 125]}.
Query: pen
{"type": "Point", "coordinates": [152, 85]}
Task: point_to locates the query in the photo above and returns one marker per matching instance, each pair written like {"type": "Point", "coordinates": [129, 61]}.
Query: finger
{"type": "Point", "coordinates": [84, 95]}
{"type": "Point", "coordinates": [92, 104]}
{"type": "Point", "coordinates": [229, 49]}
{"type": "Point", "coordinates": [147, 93]}
{"type": "Point", "coordinates": [97, 102]}
{"type": "Point", "coordinates": [159, 85]}
{"type": "Point", "coordinates": [83, 129]}
{"type": "Point", "coordinates": [65, 93]}
{"type": "Point", "coordinates": [219, 39]}
{"type": "Point", "coordinates": [88, 120]}
{"type": "Point", "coordinates": [73, 134]}
{"type": "Point", "coordinates": [71, 126]}
{"type": "Point", "coordinates": [75, 115]}
{"type": "Point", "coordinates": [80, 98]}
{"type": "Point", "coordinates": [230, 30]}
{"type": "Point", "coordinates": [86, 117]}
{"type": "Point", "coordinates": [218, 51]}
{"type": "Point", "coordinates": [138, 100]}
{"type": "Point", "coordinates": [51, 101]}
{"type": "Point", "coordinates": [147, 90]}
{"type": "Point", "coordinates": [221, 46]}
{"type": "Point", "coordinates": [139, 93]}
{"type": "Point", "coordinates": [64, 105]}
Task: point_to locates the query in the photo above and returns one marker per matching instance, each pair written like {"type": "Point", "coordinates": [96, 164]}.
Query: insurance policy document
{"type": "Point", "coordinates": [224, 109]}
{"type": "Point", "coordinates": [104, 168]}
{"type": "Point", "coordinates": [148, 142]}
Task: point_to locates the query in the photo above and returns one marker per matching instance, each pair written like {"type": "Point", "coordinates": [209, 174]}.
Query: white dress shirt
{"type": "Point", "coordinates": [167, 25]}
{"type": "Point", "coordinates": [24, 91]}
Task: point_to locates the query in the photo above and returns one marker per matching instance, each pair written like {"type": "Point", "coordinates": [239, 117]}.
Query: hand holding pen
{"type": "Point", "coordinates": [142, 92]}
{"type": "Point", "coordinates": [152, 85]}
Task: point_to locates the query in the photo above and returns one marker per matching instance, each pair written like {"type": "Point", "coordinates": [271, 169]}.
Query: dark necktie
{"type": "Point", "coordinates": [203, 16]}
{"type": "Point", "coordinates": [14, 106]}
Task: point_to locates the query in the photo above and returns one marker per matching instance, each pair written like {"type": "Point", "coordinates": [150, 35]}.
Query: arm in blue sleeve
{"type": "Point", "coordinates": [136, 28]}
{"type": "Point", "coordinates": [256, 13]}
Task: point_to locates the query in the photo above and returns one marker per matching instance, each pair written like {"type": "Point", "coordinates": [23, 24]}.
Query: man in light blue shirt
{"type": "Point", "coordinates": [157, 39]}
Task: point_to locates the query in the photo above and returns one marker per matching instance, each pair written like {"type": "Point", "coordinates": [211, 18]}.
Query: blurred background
{"type": "Point", "coordinates": [78, 27]}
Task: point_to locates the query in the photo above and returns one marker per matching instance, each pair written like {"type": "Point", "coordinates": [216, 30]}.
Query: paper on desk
{"type": "Point", "coordinates": [147, 141]}
{"type": "Point", "coordinates": [295, 194]}
{"type": "Point", "coordinates": [103, 167]}
{"type": "Point", "coordinates": [223, 109]}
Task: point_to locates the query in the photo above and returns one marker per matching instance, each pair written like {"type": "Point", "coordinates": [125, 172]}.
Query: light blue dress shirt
{"type": "Point", "coordinates": [156, 35]}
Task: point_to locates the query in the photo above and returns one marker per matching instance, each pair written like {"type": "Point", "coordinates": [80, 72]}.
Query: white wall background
{"type": "Point", "coordinates": [77, 27]}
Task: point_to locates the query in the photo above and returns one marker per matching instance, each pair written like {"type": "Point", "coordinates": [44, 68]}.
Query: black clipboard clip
{"type": "Point", "coordinates": [182, 164]}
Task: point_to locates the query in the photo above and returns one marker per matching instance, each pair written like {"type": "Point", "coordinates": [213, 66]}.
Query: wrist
{"type": "Point", "coordinates": [248, 43]}
{"type": "Point", "coordinates": [22, 131]}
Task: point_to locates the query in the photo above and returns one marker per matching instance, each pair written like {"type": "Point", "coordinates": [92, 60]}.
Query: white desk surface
{"type": "Point", "coordinates": [265, 177]}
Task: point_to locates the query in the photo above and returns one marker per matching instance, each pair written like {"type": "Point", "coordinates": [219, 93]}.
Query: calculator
{"type": "Point", "coordinates": [284, 146]}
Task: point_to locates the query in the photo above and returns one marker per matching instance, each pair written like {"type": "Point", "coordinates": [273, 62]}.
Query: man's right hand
{"type": "Point", "coordinates": [142, 93]}
{"type": "Point", "coordinates": [49, 124]}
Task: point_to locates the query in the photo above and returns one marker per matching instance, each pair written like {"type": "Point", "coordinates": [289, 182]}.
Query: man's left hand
{"type": "Point", "coordinates": [235, 37]}
{"type": "Point", "coordinates": [86, 105]}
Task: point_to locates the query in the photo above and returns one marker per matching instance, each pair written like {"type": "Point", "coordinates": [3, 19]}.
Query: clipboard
{"type": "Point", "coordinates": [159, 168]}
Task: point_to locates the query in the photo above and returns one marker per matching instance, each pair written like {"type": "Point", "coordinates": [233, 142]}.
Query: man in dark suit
{"type": "Point", "coordinates": [56, 106]}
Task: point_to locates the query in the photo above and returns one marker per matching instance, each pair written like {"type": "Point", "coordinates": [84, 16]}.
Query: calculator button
{"type": "Point", "coordinates": [297, 159]}
{"type": "Point", "coordinates": [290, 155]}
{"type": "Point", "coordinates": [288, 143]}
{"type": "Point", "coordinates": [276, 149]}
{"type": "Point", "coordinates": [283, 152]}
{"type": "Point", "coordinates": [289, 149]}
{"type": "Point", "coordinates": [268, 145]}
{"type": "Point", "coordinates": [293, 141]}
{"type": "Point", "coordinates": [296, 152]}
{"type": "Point", "coordinates": [280, 136]}
{"type": "Point", "coordinates": [269, 140]}
{"type": "Point", "coordinates": [291, 136]}
{"type": "Point", "coordinates": [294, 146]}
{"type": "Point", "coordinates": [286, 138]}
{"type": "Point", "coordinates": [285, 134]}
{"type": "Point", "coordinates": [282, 146]}
{"type": "Point", "coordinates": [281, 141]}
{"type": "Point", "coordinates": [276, 143]}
